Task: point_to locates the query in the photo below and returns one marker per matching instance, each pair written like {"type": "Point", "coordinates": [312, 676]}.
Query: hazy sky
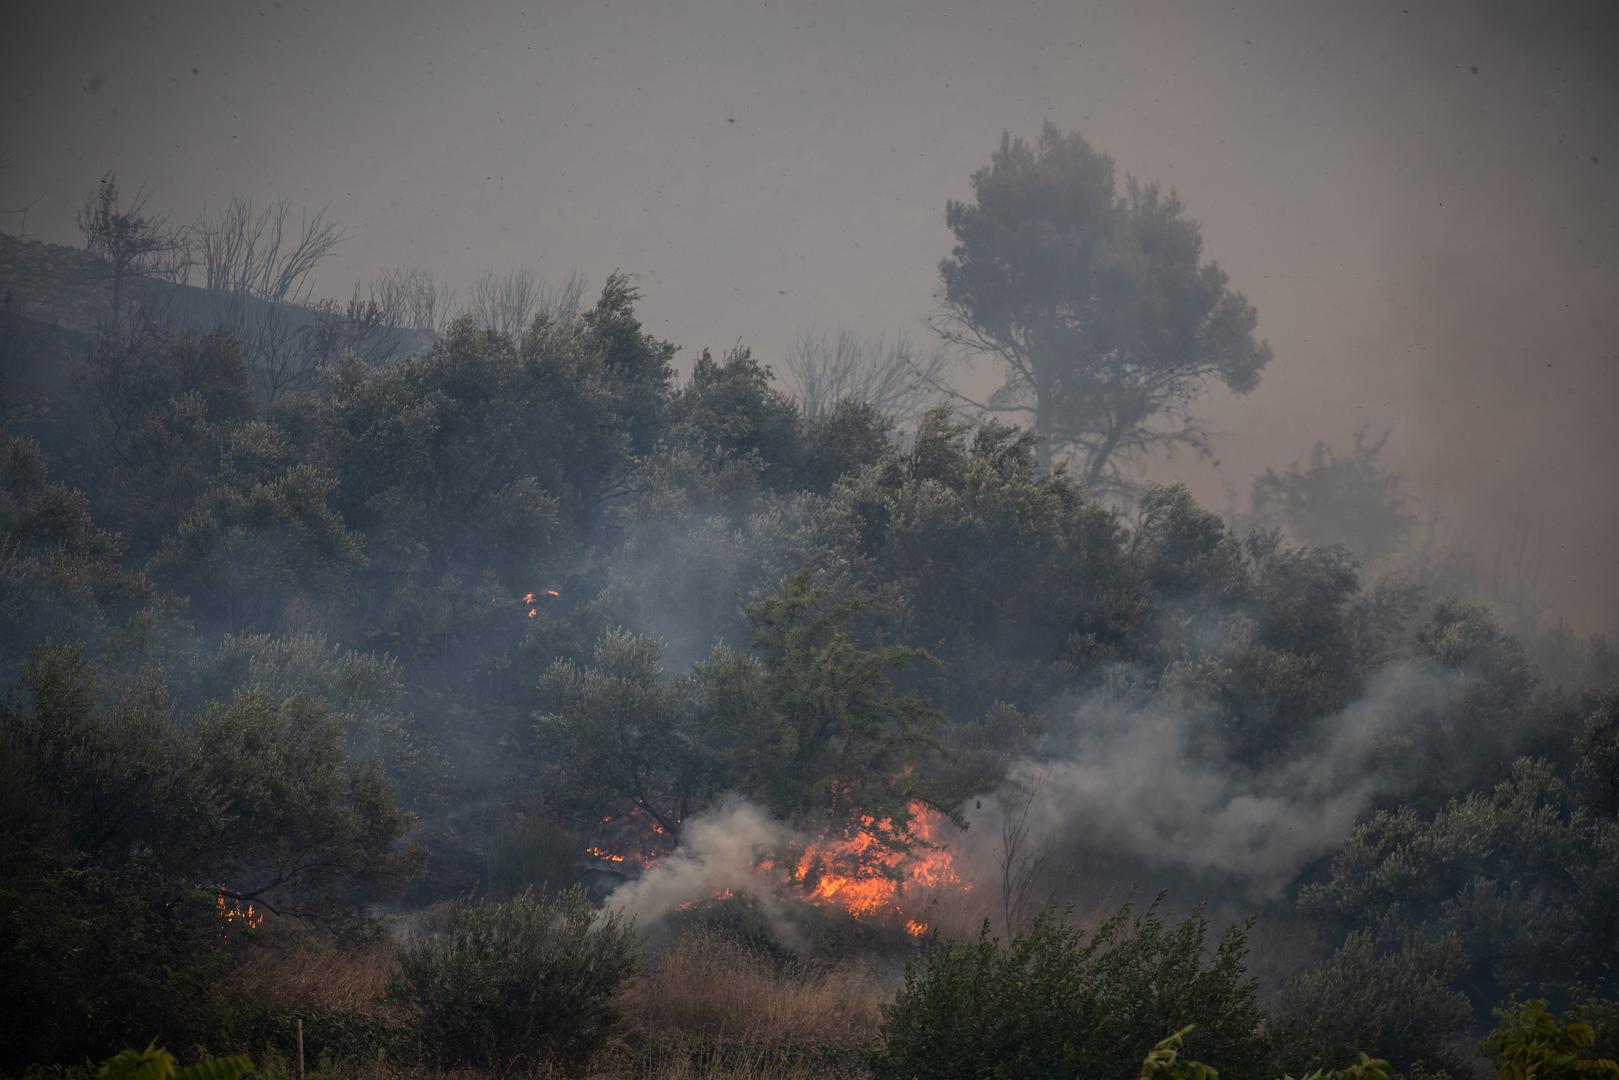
{"type": "Point", "coordinates": [1419, 198]}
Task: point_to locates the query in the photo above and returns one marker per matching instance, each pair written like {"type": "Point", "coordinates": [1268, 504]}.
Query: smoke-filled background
{"type": "Point", "coordinates": [1418, 198]}
{"type": "Point", "coordinates": [536, 465]}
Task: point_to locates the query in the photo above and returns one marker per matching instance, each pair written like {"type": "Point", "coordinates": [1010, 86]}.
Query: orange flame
{"type": "Point", "coordinates": [873, 871]}
{"type": "Point", "coordinates": [528, 598]}
{"type": "Point", "coordinates": [603, 853]}
{"type": "Point", "coordinates": [533, 611]}
{"type": "Point", "coordinates": [552, 592]}
{"type": "Point", "coordinates": [231, 910]}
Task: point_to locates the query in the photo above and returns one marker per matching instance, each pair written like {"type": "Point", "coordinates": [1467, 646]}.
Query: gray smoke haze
{"type": "Point", "coordinates": [718, 850]}
{"type": "Point", "coordinates": [1127, 778]}
{"type": "Point", "coordinates": [1124, 779]}
{"type": "Point", "coordinates": [1418, 198]}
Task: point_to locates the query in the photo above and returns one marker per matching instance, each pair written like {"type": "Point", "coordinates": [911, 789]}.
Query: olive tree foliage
{"type": "Point", "coordinates": [808, 723]}
{"type": "Point", "coordinates": [1401, 1003]}
{"type": "Point", "coordinates": [619, 731]}
{"type": "Point", "coordinates": [1059, 1002]}
{"type": "Point", "coordinates": [59, 570]}
{"type": "Point", "coordinates": [891, 377]}
{"type": "Point", "coordinates": [1521, 874]}
{"type": "Point", "coordinates": [1098, 306]}
{"type": "Point", "coordinates": [521, 983]}
{"type": "Point", "coordinates": [129, 239]}
{"type": "Point", "coordinates": [257, 793]}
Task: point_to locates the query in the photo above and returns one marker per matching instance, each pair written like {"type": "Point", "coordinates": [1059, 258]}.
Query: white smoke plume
{"type": "Point", "coordinates": [718, 850]}
{"type": "Point", "coordinates": [1126, 778]}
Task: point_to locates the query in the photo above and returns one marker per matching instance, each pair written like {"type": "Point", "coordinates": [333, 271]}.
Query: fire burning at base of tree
{"type": "Point", "coordinates": [875, 870]}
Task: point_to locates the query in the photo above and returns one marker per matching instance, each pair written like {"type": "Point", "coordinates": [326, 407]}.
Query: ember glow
{"type": "Point", "coordinates": [528, 598]}
{"type": "Point", "coordinates": [632, 837]}
{"type": "Point", "coordinates": [234, 913]}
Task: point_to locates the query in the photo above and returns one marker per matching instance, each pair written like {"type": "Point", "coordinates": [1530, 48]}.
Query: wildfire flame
{"type": "Point", "coordinates": [528, 598]}
{"type": "Point", "coordinates": [633, 837]}
{"type": "Point", "coordinates": [870, 871]}
{"type": "Point", "coordinates": [876, 870]}
{"type": "Point", "coordinates": [231, 909]}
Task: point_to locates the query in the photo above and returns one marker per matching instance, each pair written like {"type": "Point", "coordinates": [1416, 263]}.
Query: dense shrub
{"type": "Point", "coordinates": [535, 851]}
{"type": "Point", "coordinates": [532, 979]}
{"type": "Point", "coordinates": [1058, 1002]}
{"type": "Point", "coordinates": [1400, 1005]}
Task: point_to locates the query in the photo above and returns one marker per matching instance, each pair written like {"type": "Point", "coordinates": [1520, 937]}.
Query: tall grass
{"type": "Point", "coordinates": [707, 987]}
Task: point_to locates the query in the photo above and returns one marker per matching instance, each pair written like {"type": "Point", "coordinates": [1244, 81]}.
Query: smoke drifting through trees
{"type": "Point", "coordinates": [514, 585]}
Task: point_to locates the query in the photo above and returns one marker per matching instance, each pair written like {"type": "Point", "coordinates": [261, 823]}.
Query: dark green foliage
{"type": "Point", "coordinates": [1521, 876]}
{"type": "Point", "coordinates": [1058, 1002]}
{"type": "Point", "coordinates": [811, 720]}
{"type": "Point", "coordinates": [535, 851]}
{"type": "Point", "coordinates": [58, 570]}
{"type": "Point", "coordinates": [1100, 306]}
{"type": "Point", "coordinates": [1400, 1004]}
{"type": "Point", "coordinates": [121, 825]}
{"type": "Point", "coordinates": [362, 693]}
{"type": "Point", "coordinates": [1596, 765]}
{"type": "Point", "coordinates": [620, 732]}
{"type": "Point", "coordinates": [1002, 568]}
{"type": "Point", "coordinates": [728, 409]}
{"type": "Point", "coordinates": [247, 550]}
{"type": "Point", "coordinates": [517, 983]}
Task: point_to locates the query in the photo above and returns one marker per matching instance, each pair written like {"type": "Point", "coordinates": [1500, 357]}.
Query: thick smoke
{"type": "Point", "coordinates": [718, 851]}
{"type": "Point", "coordinates": [1130, 778]}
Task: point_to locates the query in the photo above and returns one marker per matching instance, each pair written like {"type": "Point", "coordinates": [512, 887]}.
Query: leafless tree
{"type": "Point", "coordinates": [21, 212]}
{"type": "Point", "coordinates": [411, 298]}
{"type": "Point", "coordinates": [263, 254]}
{"type": "Point", "coordinates": [1019, 863]}
{"type": "Point", "coordinates": [890, 376]}
{"type": "Point", "coordinates": [129, 240]}
{"type": "Point", "coordinates": [261, 262]}
{"type": "Point", "coordinates": [509, 303]}
{"type": "Point", "coordinates": [504, 303]}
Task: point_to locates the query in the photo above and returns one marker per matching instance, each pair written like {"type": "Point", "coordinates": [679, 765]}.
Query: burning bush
{"type": "Point", "coordinates": [533, 979]}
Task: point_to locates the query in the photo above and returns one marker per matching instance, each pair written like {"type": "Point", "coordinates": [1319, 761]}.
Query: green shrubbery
{"type": "Point", "coordinates": [1059, 1002]}
{"type": "Point", "coordinates": [533, 979]}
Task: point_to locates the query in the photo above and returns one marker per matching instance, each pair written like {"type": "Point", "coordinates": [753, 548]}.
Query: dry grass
{"type": "Point", "coordinates": [300, 975]}
{"type": "Point", "coordinates": [712, 989]}
{"type": "Point", "coordinates": [710, 1009]}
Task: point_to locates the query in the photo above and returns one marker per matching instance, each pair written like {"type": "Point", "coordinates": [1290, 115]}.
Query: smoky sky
{"type": "Point", "coordinates": [1419, 198]}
